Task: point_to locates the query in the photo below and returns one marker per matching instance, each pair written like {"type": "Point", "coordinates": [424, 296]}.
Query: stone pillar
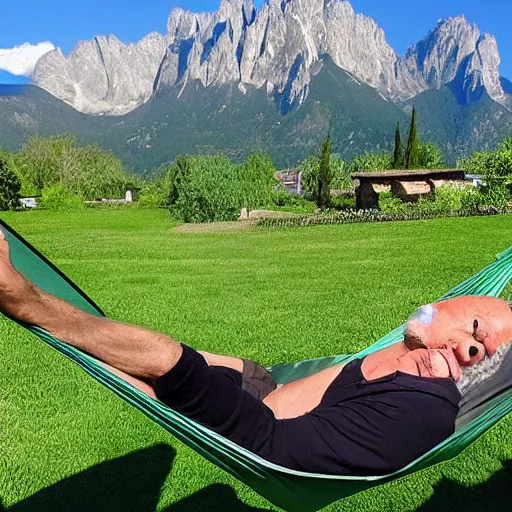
{"type": "Point", "coordinates": [366, 197]}
{"type": "Point", "coordinates": [411, 191]}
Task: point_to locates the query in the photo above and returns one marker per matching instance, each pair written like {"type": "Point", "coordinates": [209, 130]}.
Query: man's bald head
{"type": "Point", "coordinates": [471, 326]}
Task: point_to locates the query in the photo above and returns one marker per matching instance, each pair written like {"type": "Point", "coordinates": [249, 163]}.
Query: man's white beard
{"type": "Point", "coordinates": [474, 375]}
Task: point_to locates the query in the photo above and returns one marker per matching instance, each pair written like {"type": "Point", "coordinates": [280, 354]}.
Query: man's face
{"type": "Point", "coordinates": [471, 326]}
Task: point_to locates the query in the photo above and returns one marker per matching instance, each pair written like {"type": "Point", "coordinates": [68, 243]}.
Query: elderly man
{"type": "Point", "coordinates": [370, 417]}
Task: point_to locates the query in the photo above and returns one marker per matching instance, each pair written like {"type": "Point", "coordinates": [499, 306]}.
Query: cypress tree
{"type": "Point", "coordinates": [398, 158]}
{"type": "Point", "coordinates": [324, 176]}
{"type": "Point", "coordinates": [412, 151]}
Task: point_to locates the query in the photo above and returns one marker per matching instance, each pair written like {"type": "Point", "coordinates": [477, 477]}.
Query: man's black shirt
{"type": "Point", "coordinates": [360, 428]}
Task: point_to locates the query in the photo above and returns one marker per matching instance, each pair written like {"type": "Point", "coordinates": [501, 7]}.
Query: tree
{"type": "Point", "coordinates": [495, 166]}
{"type": "Point", "coordinates": [176, 176]}
{"type": "Point", "coordinates": [87, 171]}
{"type": "Point", "coordinates": [430, 156]}
{"type": "Point", "coordinates": [10, 187]}
{"type": "Point", "coordinates": [412, 151]}
{"type": "Point", "coordinates": [41, 160]}
{"type": "Point", "coordinates": [257, 180]}
{"type": "Point", "coordinates": [310, 167]}
{"type": "Point", "coordinates": [398, 157]}
{"type": "Point", "coordinates": [324, 175]}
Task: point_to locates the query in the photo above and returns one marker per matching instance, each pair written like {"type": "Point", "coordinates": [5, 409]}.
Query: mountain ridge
{"type": "Point", "coordinates": [277, 47]}
{"type": "Point", "coordinates": [223, 119]}
{"type": "Point", "coordinates": [274, 80]}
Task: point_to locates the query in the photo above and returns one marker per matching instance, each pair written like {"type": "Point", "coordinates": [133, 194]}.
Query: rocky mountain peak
{"type": "Point", "coordinates": [280, 47]}
{"type": "Point", "coordinates": [441, 53]}
{"type": "Point", "coordinates": [456, 52]}
{"type": "Point", "coordinates": [182, 24]}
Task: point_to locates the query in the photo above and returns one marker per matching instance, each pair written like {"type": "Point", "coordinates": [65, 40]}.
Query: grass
{"type": "Point", "coordinates": [278, 295]}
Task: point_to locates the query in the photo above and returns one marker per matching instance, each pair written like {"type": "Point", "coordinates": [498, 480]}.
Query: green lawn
{"type": "Point", "coordinates": [66, 443]}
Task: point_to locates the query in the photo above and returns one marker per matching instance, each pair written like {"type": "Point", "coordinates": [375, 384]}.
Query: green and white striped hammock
{"type": "Point", "coordinates": [288, 489]}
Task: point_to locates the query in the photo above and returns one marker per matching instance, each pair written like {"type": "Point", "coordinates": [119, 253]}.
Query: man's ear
{"type": "Point", "coordinates": [413, 342]}
{"type": "Point", "coordinates": [415, 335]}
{"type": "Point", "coordinates": [418, 326]}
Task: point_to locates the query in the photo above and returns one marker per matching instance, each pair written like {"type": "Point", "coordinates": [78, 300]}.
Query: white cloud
{"type": "Point", "coordinates": [21, 60]}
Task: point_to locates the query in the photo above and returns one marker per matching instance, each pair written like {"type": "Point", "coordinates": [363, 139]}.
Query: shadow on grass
{"type": "Point", "coordinates": [214, 497]}
{"type": "Point", "coordinates": [132, 482]}
{"type": "Point", "coordinates": [492, 496]}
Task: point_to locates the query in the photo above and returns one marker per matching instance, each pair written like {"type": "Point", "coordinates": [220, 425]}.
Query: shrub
{"type": "Point", "coordinates": [477, 163]}
{"type": "Point", "coordinates": [58, 197]}
{"type": "Point", "coordinates": [10, 187]}
{"type": "Point", "coordinates": [495, 165]}
{"type": "Point", "coordinates": [388, 203]}
{"type": "Point", "coordinates": [13, 162]}
{"type": "Point", "coordinates": [257, 181]}
{"type": "Point", "coordinates": [430, 156]}
{"type": "Point", "coordinates": [343, 203]}
{"type": "Point", "coordinates": [497, 196]}
{"type": "Point", "coordinates": [350, 217]}
{"type": "Point", "coordinates": [282, 198]}
{"type": "Point", "coordinates": [371, 162]}
{"type": "Point", "coordinates": [153, 195]}
{"type": "Point", "coordinates": [447, 200]}
{"type": "Point", "coordinates": [340, 176]}
{"type": "Point", "coordinates": [88, 171]}
{"type": "Point", "coordinates": [310, 168]}
{"type": "Point", "coordinates": [212, 189]}
{"type": "Point", "coordinates": [292, 202]}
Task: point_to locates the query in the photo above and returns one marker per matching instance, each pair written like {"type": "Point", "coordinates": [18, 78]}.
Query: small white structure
{"type": "Point", "coordinates": [28, 202]}
{"type": "Point", "coordinates": [476, 179]}
{"type": "Point", "coordinates": [130, 196]}
{"type": "Point", "coordinates": [290, 180]}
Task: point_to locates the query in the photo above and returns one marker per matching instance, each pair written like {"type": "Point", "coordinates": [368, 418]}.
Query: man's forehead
{"type": "Point", "coordinates": [424, 314]}
{"type": "Point", "coordinates": [460, 306]}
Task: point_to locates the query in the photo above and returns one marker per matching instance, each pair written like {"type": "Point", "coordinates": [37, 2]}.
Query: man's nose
{"type": "Point", "coordinates": [469, 352]}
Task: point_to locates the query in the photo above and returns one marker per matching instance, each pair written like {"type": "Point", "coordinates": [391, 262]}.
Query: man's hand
{"type": "Point", "coordinates": [431, 363]}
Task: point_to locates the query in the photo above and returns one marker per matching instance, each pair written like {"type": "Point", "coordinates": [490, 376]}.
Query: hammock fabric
{"type": "Point", "coordinates": [288, 489]}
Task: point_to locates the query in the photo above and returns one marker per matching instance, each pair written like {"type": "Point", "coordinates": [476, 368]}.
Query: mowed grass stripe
{"type": "Point", "coordinates": [272, 295]}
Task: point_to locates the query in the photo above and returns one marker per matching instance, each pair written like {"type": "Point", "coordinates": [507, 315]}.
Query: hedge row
{"type": "Point", "coordinates": [358, 216]}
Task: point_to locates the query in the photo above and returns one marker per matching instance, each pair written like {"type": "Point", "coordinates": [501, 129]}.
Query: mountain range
{"type": "Point", "coordinates": [272, 79]}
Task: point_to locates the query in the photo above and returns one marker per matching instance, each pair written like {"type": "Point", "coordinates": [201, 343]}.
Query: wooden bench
{"type": "Point", "coordinates": [409, 185]}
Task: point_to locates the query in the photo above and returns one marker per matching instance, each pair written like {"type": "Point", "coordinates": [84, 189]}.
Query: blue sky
{"type": "Point", "coordinates": [64, 23]}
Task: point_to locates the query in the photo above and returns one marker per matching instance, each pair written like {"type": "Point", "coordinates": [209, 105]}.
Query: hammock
{"type": "Point", "coordinates": [288, 489]}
